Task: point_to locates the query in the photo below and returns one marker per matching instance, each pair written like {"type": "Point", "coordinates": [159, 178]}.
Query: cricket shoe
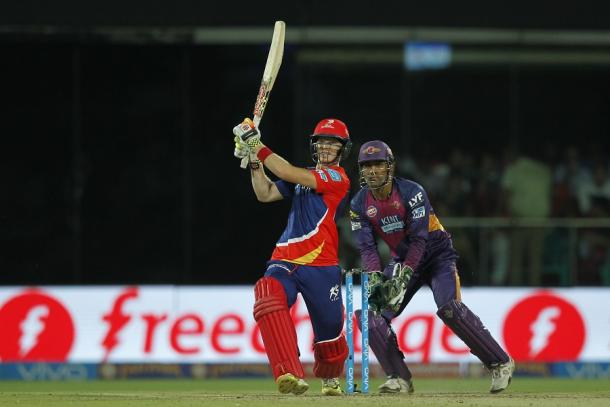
{"type": "Point", "coordinates": [396, 384]}
{"type": "Point", "coordinates": [332, 387]}
{"type": "Point", "coordinates": [501, 376]}
{"type": "Point", "coordinates": [289, 383]}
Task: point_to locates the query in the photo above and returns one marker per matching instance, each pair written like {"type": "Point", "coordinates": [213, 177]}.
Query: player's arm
{"type": "Point", "coordinates": [288, 172]}
{"type": "Point", "coordinates": [264, 188]}
{"type": "Point", "coordinates": [413, 246]}
{"type": "Point", "coordinates": [364, 236]}
{"type": "Point", "coordinates": [276, 164]}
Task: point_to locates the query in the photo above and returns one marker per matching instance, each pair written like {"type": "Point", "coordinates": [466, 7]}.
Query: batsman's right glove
{"type": "Point", "coordinates": [241, 149]}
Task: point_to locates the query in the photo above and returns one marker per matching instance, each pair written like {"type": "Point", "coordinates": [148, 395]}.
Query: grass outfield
{"type": "Point", "coordinates": [261, 392]}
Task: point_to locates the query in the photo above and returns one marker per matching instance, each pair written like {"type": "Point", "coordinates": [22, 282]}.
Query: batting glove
{"type": "Point", "coordinates": [241, 149]}
{"type": "Point", "coordinates": [248, 133]}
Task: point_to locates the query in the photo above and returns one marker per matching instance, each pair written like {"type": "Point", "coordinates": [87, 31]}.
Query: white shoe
{"type": "Point", "coordinates": [289, 383]}
{"type": "Point", "coordinates": [396, 385]}
{"type": "Point", "coordinates": [501, 376]}
{"type": "Point", "coordinates": [332, 387]}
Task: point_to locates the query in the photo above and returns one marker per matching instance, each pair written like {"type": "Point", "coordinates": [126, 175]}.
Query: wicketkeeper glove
{"type": "Point", "coordinates": [378, 292]}
{"type": "Point", "coordinates": [398, 286]}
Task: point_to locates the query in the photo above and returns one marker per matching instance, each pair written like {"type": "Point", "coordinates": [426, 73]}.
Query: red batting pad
{"type": "Point", "coordinates": [277, 329]}
{"type": "Point", "coordinates": [330, 357]}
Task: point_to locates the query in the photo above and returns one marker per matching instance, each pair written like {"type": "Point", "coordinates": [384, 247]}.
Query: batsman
{"type": "Point", "coordinates": [305, 259]}
{"type": "Point", "coordinates": [398, 211]}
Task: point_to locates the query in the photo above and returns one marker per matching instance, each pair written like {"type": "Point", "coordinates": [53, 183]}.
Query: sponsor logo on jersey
{"type": "Point", "coordinates": [371, 211]}
{"type": "Point", "coordinates": [391, 224]}
{"type": "Point", "coordinates": [356, 225]}
{"type": "Point", "coordinates": [300, 189]}
{"type": "Point", "coordinates": [334, 175]}
{"type": "Point", "coordinates": [353, 214]}
{"type": "Point", "coordinates": [419, 212]}
{"type": "Point", "coordinates": [417, 199]}
{"type": "Point", "coordinates": [396, 204]}
{"type": "Point", "coordinates": [323, 175]}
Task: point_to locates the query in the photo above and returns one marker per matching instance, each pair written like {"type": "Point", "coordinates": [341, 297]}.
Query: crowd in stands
{"type": "Point", "coordinates": [525, 186]}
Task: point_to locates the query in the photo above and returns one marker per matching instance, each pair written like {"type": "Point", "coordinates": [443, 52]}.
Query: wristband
{"type": "Point", "coordinates": [263, 153]}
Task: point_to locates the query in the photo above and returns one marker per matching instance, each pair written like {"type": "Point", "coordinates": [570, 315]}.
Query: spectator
{"type": "Point", "coordinates": [568, 177]}
{"type": "Point", "coordinates": [527, 188]}
{"type": "Point", "coordinates": [597, 187]}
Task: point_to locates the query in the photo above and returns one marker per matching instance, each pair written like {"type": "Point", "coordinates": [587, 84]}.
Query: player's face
{"type": "Point", "coordinates": [375, 173]}
{"type": "Point", "coordinates": [327, 150]}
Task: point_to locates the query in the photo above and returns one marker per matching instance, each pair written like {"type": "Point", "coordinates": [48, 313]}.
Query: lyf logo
{"type": "Point", "coordinates": [417, 199]}
{"type": "Point", "coordinates": [544, 327]}
{"type": "Point", "coordinates": [35, 327]}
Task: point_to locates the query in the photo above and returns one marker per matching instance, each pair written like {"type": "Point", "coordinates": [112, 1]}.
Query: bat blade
{"type": "Point", "coordinates": [272, 67]}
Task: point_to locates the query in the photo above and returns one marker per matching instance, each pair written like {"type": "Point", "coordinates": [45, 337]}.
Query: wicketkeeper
{"type": "Point", "coordinates": [399, 212]}
{"type": "Point", "coordinates": [305, 259]}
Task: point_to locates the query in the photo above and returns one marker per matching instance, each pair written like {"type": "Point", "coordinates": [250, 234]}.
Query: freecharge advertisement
{"type": "Point", "coordinates": [214, 324]}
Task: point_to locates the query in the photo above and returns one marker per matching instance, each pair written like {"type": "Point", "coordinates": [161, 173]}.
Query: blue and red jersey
{"type": "Point", "coordinates": [405, 221]}
{"type": "Point", "coordinates": [311, 235]}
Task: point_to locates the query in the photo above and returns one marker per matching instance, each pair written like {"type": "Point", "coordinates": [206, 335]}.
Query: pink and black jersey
{"type": "Point", "coordinates": [311, 235]}
{"type": "Point", "coordinates": [405, 221]}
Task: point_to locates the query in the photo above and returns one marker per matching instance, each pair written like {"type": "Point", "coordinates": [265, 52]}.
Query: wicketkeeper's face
{"type": "Point", "coordinates": [375, 173]}
{"type": "Point", "coordinates": [327, 150]}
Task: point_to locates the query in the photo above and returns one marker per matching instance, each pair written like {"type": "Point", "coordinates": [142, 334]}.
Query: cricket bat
{"type": "Point", "coordinates": [274, 60]}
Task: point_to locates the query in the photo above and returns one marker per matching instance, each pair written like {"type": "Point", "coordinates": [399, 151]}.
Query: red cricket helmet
{"type": "Point", "coordinates": [333, 128]}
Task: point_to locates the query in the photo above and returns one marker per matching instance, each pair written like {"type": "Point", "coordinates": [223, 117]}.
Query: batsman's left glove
{"type": "Point", "coordinates": [244, 131]}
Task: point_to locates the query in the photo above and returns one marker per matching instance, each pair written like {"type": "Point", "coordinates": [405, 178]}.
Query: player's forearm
{"type": "Point", "coordinates": [286, 171]}
{"type": "Point", "coordinates": [415, 253]}
{"type": "Point", "coordinates": [261, 184]}
{"type": "Point", "coordinates": [368, 251]}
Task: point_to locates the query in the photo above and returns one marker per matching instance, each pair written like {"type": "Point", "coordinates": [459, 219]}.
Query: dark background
{"type": "Point", "coordinates": [116, 163]}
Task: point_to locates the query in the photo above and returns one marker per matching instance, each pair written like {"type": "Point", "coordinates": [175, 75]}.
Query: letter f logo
{"type": "Point", "coordinates": [116, 320]}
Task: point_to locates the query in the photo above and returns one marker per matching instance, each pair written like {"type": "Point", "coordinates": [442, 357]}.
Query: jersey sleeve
{"type": "Point", "coordinates": [330, 181]}
{"type": "Point", "coordinates": [417, 220]}
{"type": "Point", "coordinates": [363, 234]}
{"type": "Point", "coordinates": [285, 188]}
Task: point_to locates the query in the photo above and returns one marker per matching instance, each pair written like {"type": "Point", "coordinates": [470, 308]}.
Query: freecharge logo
{"type": "Point", "coordinates": [35, 327]}
{"type": "Point", "coordinates": [544, 327]}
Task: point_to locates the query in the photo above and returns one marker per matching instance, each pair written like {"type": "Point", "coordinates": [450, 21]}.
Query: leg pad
{"type": "Point", "coordinates": [384, 345]}
{"type": "Point", "coordinates": [277, 329]}
{"type": "Point", "coordinates": [469, 328]}
{"type": "Point", "coordinates": [330, 357]}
